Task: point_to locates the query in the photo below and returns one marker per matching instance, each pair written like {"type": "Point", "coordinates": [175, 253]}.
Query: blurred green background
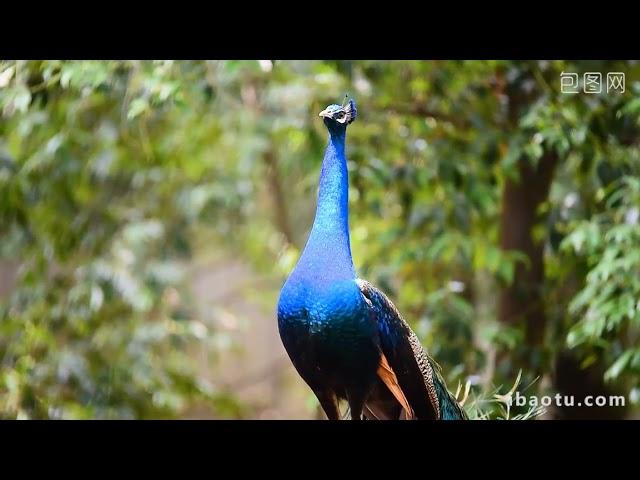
{"type": "Point", "coordinates": [150, 211]}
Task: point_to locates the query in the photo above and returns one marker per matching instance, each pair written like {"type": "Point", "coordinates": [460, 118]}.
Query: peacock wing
{"type": "Point", "coordinates": [407, 364]}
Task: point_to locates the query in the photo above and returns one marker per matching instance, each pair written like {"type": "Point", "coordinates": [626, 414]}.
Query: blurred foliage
{"type": "Point", "coordinates": [609, 303]}
{"type": "Point", "coordinates": [112, 173]}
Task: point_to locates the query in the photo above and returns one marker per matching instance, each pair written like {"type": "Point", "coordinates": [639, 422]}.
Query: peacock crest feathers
{"type": "Point", "coordinates": [343, 114]}
{"type": "Point", "coordinates": [350, 109]}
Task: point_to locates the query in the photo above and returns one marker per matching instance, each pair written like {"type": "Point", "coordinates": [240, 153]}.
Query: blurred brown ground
{"type": "Point", "coordinates": [255, 367]}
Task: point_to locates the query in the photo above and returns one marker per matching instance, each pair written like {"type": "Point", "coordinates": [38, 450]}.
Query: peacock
{"type": "Point", "coordinates": [343, 335]}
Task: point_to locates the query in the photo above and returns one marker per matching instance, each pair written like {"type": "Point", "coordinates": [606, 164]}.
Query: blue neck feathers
{"type": "Point", "coordinates": [327, 254]}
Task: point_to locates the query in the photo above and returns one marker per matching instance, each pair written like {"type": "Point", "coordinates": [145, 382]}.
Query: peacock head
{"type": "Point", "coordinates": [339, 115]}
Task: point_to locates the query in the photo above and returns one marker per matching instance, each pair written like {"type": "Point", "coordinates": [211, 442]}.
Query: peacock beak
{"type": "Point", "coordinates": [325, 113]}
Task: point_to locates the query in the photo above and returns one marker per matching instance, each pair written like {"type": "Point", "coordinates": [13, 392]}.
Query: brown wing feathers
{"type": "Point", "coordinates": [389, 378]}
{"type": "Point", "coordinates": [404, 367]}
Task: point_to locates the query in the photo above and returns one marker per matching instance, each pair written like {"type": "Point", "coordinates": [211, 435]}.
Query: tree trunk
{"type": "Point", "coordinates": [521, 303]}
{"type": "Point", "coordinates": [277, 196]}
{"type": "Point", "coordinates": [8, 277]}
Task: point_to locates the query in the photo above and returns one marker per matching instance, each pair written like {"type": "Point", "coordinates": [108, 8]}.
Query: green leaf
{"type": "Point", "coordinates": [618, 366]}
{"type": "Point", "coordinates": [137, 107]}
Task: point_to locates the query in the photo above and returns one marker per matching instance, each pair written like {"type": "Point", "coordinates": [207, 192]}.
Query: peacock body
{"type": "Point", "coordinates": [345, 338]}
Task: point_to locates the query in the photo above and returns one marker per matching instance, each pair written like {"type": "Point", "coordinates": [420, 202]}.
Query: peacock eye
{"type": "Point", "coordinates": [340, 115]}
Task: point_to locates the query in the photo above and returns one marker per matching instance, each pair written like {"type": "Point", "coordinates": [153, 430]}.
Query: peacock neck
{"type": "Point", "coordinates": [328, 251]}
